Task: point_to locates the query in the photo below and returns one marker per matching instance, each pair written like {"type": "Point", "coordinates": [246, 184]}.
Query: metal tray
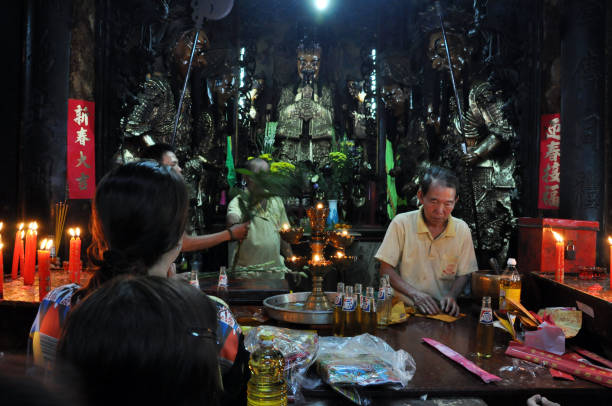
{"type": "Point", "coordinates": [289, 307]}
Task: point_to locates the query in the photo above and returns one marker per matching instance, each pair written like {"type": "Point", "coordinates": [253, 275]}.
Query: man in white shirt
{"type": "Point", "coordinates": [427, 253]}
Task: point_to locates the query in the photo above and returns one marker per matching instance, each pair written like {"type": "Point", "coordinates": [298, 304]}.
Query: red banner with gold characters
{"type": "Point", "coordinates": [550, 162]}
{"type": "Point", "coordinates": [81, 164]}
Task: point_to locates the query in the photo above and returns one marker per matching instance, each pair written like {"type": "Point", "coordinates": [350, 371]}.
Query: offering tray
{"type": "Point", "coordinates": [291, 308]}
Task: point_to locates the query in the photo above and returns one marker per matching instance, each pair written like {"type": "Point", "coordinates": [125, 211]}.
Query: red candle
{"type": "Point", "coordinates": [1, 272]}
{"type": "Point", "coordinates": [30, 255]}
{"type": "Point", "coordinates": [559, 251]}
{"type": "Point", "coordinates": [18, 252]}
{"type": "Point", "coordinates": [610, 273]}
{"type": "Point", "coordinates": [44, 259]}
{"type": "Point", "coordinates": [74, 260]}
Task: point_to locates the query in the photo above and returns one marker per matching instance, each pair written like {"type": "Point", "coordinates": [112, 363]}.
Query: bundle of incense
{"type": "Point", "coordinates": [547, 359]}
{"type": "Point", "coordinates": [524, 312]}
{"type": "Point", "coordinates": [61, 210]}
{"type": "Point", "coordinates": [593, 356]}
{"type": "Point", "coordinates": [461, 360]}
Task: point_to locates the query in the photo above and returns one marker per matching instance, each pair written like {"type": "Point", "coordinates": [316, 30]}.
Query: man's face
{"type": "Point", "coordinates": [308, 65]}
{"type": "Point", "coordinates": [169, 159]}
{"type": "Point", "coordinates": [438, 203]}
{"type": "Point", "coordinates": [260, 167]}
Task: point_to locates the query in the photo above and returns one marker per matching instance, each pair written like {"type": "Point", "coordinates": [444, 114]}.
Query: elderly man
{"type": "Point", "coordinates": [263, 244]}
{"type": "Point", "coordinates": [432, 250]}
{"type": "Point", "coordinates": [164, 154]}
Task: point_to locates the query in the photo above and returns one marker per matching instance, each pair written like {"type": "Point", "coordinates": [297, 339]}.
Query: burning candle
{"type": "Point", "coordinates": [286, 227]}
{"type": "Point", "coordinates": [74, 260]}
{"type": "Point", "coordinates": [30, 254]}
{"type": "Point", "coordinates": [559, 251]}
{"type": "Point", "coordinates": [344, 233]}
{"type": "Point", "coordinates": [44, 259]}
{"type": "Point", "coordinates": [610, 242]}
{"type": "Point", "coordinates": [293, 258]}
{"type": "Point", "coordinates": [319, 206]}
{"type": "Point", "coordinates": [316, 258]}
{"type": "Point", "coordinates": [1, 272]}
{"type": "Point", "coordinates": [340, 254]}
{"type": "Point", "coordinates": [18, 252]}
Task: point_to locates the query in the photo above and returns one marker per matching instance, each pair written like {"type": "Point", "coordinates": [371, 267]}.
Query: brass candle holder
{"type": "Point", "coordinates": [291, 235]}
{"type": "Point", "coordinates": [317, 300]}
{"type": "Point", "coordinates": [295, 264]}
{"type": "Point", "coordinates": [318, 217]}
{"type": "Point", "coordinates": [340, 239]}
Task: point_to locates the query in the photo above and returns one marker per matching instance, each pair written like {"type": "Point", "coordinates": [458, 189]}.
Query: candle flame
{"type": "Point", "coordinates": [344, 232]}
{"type": "Point", "coordinates": [78, 231]}
{"type": "Point", "coordinates": [43, 243]}
{"type": "Point", "coordinates": [610, 240]}
{"type": "Point", "coordinates": [22, 234]}
{"type": "Point", "coordinates": [1, 245]}
{"type": "Point", "coordinates": [1, 224]}
{"type": "Point", "coordinates": [285, 226]}
{"type": "Point", "coordinates": [558, 236]}
{"type": "Point", "coordinates": [49, 244]}
{"type": "Point", "coordinates": [293, 258]}
{"type": "Point", "coordinates": [339, 254]}
{"type": "Point", "coordinates": [316, 258]}
{"type": "Point", "coordinates": [319, 206]}
{"type": "Point", "coordinates": [71, 232]}
{"type": "Point", "coordinates": [20, 226]}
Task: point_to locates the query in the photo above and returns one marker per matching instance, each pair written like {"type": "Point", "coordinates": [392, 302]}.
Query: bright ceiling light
{"type": "Point", "coordinates": [321, 4]}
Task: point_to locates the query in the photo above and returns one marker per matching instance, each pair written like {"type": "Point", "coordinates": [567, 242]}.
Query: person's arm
{"type": "Point", "coordinates": [422, 300]}
{"type": "Point", "coordinates": [201, 242]}
{"type": "Point", "coordinates": [285, 249]}
{"type": "Point", "coordinates": [449, 302]}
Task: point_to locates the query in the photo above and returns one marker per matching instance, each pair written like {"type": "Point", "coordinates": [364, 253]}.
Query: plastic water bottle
{"type": "Point", "coordinates": [222, 286]}
{"type": "Point", "coordinates": [509, 286]}
{"type": "Point", "coordinates": [267, 386]}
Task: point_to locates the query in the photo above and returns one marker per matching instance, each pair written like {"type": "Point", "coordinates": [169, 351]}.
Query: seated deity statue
{"type": "Point", "coordinates": [305, 123]}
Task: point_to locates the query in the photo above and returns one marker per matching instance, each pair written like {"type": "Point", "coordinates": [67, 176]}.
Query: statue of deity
{"type": "Point", "coordinates": [153, 119]}
{"type": "Point", "coordinates": [305, 123]}
{"type": "Point", "coordinates": [490, 157]}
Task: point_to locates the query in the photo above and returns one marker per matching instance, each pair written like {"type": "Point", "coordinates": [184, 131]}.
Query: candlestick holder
{"type": "Point", "coordinates": [317, 299]}
{"type": "Point", "coordinates": [340, 239]}
{"type": "Point", "coordinates": [292, 235]}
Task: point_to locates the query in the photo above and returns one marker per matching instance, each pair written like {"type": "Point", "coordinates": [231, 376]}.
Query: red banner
{"type": "Point", "coordinates": [550, 162]}
{"type": "Point", "coordinates": [81, 164]}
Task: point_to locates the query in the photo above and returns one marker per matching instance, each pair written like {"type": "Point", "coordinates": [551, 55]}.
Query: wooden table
{"type": "Point", "coordinates": [439, 377]}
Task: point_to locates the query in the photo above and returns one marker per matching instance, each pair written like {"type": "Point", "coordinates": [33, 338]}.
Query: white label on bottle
{"type": "Point", "coordinates": [382, 293]}
{"type": "Point", "coordinates": [365, 305]}
{"type": "Point", "coordinates": [486, 316]}
{"type": "Point", "coordinates": [223, 281]}
{"type": "Point", "coordinates": [338, 300]}
{"type": "Point", "coordinates": [349, 304]}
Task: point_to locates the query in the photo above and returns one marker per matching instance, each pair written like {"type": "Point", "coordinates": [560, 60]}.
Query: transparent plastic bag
{"type": "Point", "coordinates": [362, 361]}
{"type": "Point", "coordinates": [299, 348]}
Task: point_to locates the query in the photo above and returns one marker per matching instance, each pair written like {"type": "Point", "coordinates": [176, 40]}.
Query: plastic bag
{"type": "Point", "coordinates": [299, 348]}
{"type": "Point", "coordinates": [363, 360]}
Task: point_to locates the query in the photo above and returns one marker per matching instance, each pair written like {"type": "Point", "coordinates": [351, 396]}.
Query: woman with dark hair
{"type": "Point", "coordinates": [158, 352]}
{"type": "Point", "coordinates": [138, 219]}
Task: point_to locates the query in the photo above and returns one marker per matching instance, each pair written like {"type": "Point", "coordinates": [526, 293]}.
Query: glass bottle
{"type": "Point", "coordinates": [349, 314]}
{"type": "Point", "coordinates": [223, 286]}
{"type": "Point", "coordinates": [337, 326]}
{"type": "Point", "coordinates": [382, 316]}
{"type": "Point", "coordinates": [485, 330]}
{"type": "Point", "coordinates": [193, 277]}
{"type": "Point", "coordinates": [368, 312]}
{"type": "Point", "coordinates": [359, 299]}
{"type": "Point", "coordinates": [509, 286]}
{"type": "Point", "coordinates": [267, 385]}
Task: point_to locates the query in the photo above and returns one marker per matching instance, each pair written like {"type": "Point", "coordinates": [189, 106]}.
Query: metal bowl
{"type": "Point", "coordinates": [291, 308]}
{"type": "Point", "coordinates": [485, 283]}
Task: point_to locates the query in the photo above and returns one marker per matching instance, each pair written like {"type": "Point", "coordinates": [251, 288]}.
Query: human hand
{"type": "Point", "coordinates": [470, 158]}
{"type": "Point", "coordinates": [425, 303]}
{"type": "Point", "coordinates": [240, 231]}
{"type": "Point", "coordinates": [449, 305]}
{"type": "Point", "coordinates": [538, 399]}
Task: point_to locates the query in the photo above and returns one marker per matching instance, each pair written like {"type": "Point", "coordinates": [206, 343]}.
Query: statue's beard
{"type": "Point", "coordinates": [308, 75]}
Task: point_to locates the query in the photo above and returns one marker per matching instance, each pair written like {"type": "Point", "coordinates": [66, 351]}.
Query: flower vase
{"type": "Point", "coordinates": [332, 219]}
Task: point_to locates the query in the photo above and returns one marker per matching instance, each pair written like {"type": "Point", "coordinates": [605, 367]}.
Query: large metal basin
{"type": "Point", "coordinates": [485, 283]}
{"type": "Point", "coordinates": [290, 308]}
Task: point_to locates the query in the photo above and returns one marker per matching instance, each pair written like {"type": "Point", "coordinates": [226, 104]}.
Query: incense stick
{"type": "Point", "coordinates": [61, 210]}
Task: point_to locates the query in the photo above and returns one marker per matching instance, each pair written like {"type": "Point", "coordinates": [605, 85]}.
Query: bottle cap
{"type": "Point", "coordinates": [512, 261]}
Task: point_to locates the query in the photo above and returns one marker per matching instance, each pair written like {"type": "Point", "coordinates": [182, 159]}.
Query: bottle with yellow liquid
{"type": "Point", "coordinates": [267, 386]}
{"type": "Point", "coordinates": [358, 291]}
{"type": "Point", "coordinates": [368, 312]}
{"type": "Point", "coordinates": [509, 286]}
{"type": "Point", "coordinates": [337, 325]}
{"type": "Point", "coordinates": [349, 313]}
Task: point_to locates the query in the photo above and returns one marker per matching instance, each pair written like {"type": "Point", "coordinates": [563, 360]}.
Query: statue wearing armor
{"type": "Point", "coordinates": [305, 122]}
{"type": "Point", "coordinates": [152, 121]}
